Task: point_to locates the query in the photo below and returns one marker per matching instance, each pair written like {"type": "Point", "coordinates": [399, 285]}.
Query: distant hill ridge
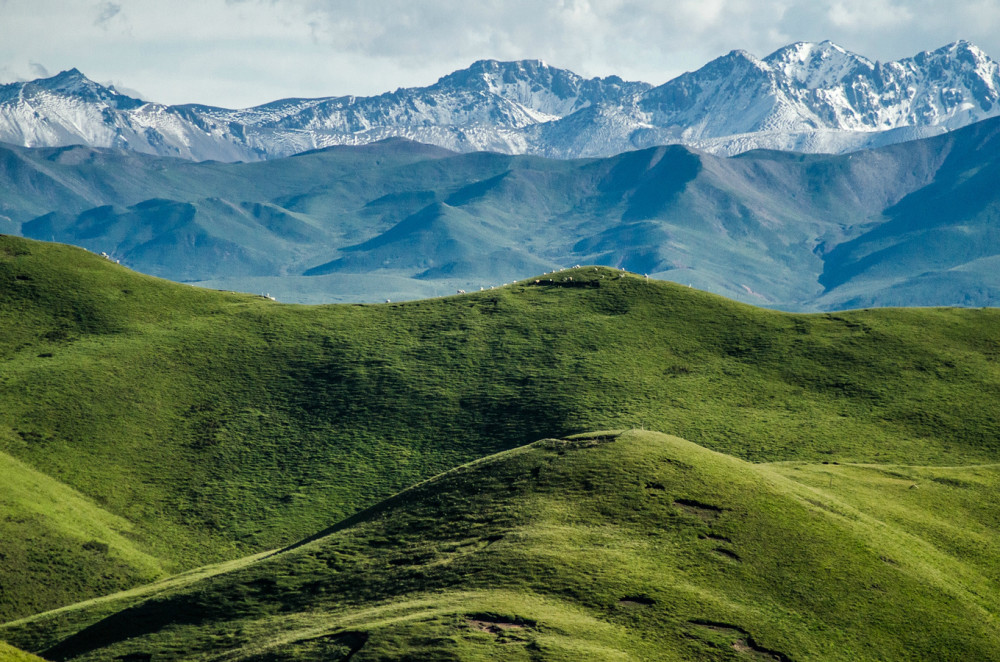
{"type": "Point", "coordinates": [907, 224]}
{"type": "Point", "coordinates": [812, 97]}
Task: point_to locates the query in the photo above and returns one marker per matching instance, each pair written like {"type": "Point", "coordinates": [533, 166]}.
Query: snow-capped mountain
{"type": "Point", "coordinates": [820, 97]}
{"type": "Point", "coordinates": [805, 96]}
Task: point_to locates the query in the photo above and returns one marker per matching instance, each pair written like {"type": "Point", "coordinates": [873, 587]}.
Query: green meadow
{"type": "Point", "coordinates": [786, 487]}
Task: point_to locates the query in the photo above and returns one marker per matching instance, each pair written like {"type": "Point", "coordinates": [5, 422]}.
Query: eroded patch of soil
{"type": "Point", "coordinates": [704, 511]}
{"type": "Point", "coordinates": [748, 646]}
{"type": "Point", "coordinates": [729, 554]}
{"type": "Point", "coordinates": [741, 641]}
{"type": "Point", "coordinates": [497, 624]}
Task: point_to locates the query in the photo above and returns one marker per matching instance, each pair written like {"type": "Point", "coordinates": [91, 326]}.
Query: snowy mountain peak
{"type": "Point", "coordinates": [71, 81]}
{"type": "Point", "coordinates": [738, 56]}
{"type": "Point", "coordinates": [544, 91]}
{"type": "Point", "coordinates": [817, 65]}
{"type": "Point", "coordinates": [497, 72]}
{"type": "Point", "coordinates": [805, 96]}
{"type": "Point", "coordinates": [963, 48]}
{"type": "Point", "coordinates": [960, 53]}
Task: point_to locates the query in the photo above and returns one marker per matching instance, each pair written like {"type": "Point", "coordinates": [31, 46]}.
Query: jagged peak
{"type": "Point", "coordinates": [72, 72]}
{"type": "Point", "coordinates": [740, 54]}
{"type": "Point", "coordinates": [804, 51]}
{"type": "Point", "coordinates": [816, 64]}
{"type": "Point", "coordinates": [962, 46]}
{"type": "Point", "coordinates": [956, 50]}
{"type": "Point", "coordinates": [72, 81]}
{"type": "Point", "coordinates": [491, 71]}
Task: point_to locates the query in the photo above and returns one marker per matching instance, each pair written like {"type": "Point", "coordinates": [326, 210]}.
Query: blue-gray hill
{"type": "Point", "coordinates": [908, 224]}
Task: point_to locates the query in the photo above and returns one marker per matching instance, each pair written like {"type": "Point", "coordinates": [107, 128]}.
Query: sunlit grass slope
{"type": "Point", "coordinates": [602, 546]}
{"type": "Point", "coordinates": [58, 546]}
{"type": "Point", "coordinates": [217, 425]}
{"type": "Point", "coordinates": [10, 654]}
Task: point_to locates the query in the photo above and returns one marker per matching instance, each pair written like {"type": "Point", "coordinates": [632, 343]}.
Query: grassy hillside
{"type": "Point", "coordinates": [10, 654]}
{"type": "Point", "coordinates": [603, 546]}
{"type": "Point", "coordinates": [51, 531]}
{"type": "Point", "coordinates": [217, 425]}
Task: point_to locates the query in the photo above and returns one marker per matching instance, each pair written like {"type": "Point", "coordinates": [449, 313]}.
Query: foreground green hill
{"type": "Point", "coordinates": [200, 426]}
{"type": "Point", "coordinates": [10, 654]}
{"type": "Point", "coordinates": [605, 546]}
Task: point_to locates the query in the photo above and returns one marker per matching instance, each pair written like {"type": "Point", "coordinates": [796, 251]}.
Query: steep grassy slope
{"type": "Point", "coordinates": [50, 531]}
{"type": "Point", "coordinates": [10, 654]}
{"type": "Point", "coordinates": [604, 546]}
{"type": "Point", "coordinates": [218, 425]}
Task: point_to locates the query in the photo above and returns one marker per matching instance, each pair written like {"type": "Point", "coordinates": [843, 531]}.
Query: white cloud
{"type": "Point", "coordinates": [37, 70]}
{"type": "Point", "coordinates": [868, 14]}
{"type": "Point", "coordinates": [240, 52]}
{"type": "Point", "coordinates": [105, 12]}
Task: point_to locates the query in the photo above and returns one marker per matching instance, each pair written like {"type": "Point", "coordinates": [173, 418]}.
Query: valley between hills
{"type": "Point", "coordinates": [587, 464]}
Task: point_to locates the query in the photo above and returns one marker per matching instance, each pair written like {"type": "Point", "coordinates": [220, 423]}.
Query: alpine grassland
{"type": "Point", "coordinates": [281, 482]}
{"type": "Point", "coordinates": [604, 546]}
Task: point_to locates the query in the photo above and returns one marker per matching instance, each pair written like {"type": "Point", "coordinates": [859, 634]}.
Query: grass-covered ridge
{"type": "Point", "coordinates": [217, 425]}
{"type": "Point", "coordinates": [606, 546]}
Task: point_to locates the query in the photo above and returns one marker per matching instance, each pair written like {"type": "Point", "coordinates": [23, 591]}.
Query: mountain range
{"type": "Point", "coordinates": [906, 224]}
{"type": "Point", "coordinates": [805, 97]}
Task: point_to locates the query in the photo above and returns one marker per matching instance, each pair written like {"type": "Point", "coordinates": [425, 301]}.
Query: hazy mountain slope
{"type": "Point", "coordinates": [222, 425]}
{"type": "Point", "coordinates": [75, 179]}
{"type": "Point", "coordinates": [784, 230]}
{"type": "Point", "coordinates": [630, 546]}
{"type": "Point", "coordinates": [747, 227]}
{"type": "Point", "coordinates": [937, 232]}
{"type": "Point", "coordinates": [804, 97]}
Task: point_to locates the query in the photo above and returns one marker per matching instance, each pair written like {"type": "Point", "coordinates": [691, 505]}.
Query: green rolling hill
{"type": "Point", "coordinates": [832, 500]}
{"type": "Point", "coordinates": [605, 546]}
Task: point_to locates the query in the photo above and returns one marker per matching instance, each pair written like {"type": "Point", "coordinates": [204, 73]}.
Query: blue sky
{"type": "Point", "coordinates": [237, 53]}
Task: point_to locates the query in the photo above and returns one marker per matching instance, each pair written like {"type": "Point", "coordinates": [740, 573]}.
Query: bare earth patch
{"type": "Point", "coordinates": [704, 511]}
{"type": "Point", "coordinates": [497, 624]}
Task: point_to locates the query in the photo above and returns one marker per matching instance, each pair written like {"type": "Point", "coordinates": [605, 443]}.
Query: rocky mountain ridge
{"type": "Point", "coordinates": [804, 97]}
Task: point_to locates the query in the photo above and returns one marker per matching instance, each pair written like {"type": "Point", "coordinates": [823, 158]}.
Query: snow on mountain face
{"type": "Point", "coordinates": [805, 87]}
{"type": "Point", "coordinates": [805, 96]}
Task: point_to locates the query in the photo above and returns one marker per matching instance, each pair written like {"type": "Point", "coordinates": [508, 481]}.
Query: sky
{"type": "Point", "coordinates": [239, 53]}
